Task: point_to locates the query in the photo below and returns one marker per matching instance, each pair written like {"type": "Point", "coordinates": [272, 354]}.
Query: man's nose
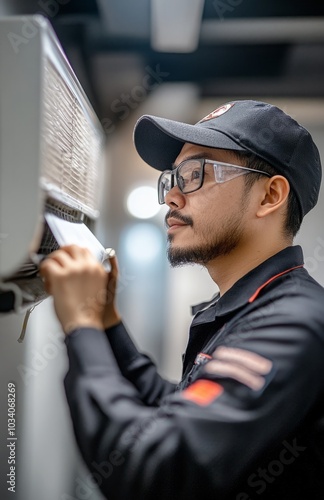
{"type": "Point", "coordinates": [175, 198]}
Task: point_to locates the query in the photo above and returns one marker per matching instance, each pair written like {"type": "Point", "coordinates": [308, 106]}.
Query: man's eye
{"type": "Point", "coordinates": [195, 174]}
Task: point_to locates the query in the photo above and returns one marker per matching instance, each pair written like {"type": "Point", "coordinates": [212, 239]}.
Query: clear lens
{"type": "Point", "coordinates": [165, 183]}
{"type": "Point", "coordinates": [189, 176]}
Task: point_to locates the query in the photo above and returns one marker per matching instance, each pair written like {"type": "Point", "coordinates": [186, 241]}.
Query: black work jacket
{"type": "Point", "coordinates": [245, 422]}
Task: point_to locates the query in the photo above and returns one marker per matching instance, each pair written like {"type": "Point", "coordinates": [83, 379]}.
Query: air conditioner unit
{"type": "Point", "coordinates": [51, 152]}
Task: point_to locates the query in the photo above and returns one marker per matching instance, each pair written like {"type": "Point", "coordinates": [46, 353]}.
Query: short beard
{"type": "Point", "coordinates": [224, 243]}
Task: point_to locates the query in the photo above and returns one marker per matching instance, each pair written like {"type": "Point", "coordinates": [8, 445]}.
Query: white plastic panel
{"type": "Point", "coordinates": [51, 141]}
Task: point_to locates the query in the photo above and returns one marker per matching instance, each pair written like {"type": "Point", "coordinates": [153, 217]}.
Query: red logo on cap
{"type": "Point", "coordinates": [217, 112]}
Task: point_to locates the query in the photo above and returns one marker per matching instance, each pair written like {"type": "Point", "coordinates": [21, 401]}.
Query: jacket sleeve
{"type": "Point", "coordinates": [200, 441]}
{"type": "Point", "coordinates": [137, 367]}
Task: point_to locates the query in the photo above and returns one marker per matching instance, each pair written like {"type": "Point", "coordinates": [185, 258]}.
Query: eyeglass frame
{"type": "Point", "coordinates": [203, 161]}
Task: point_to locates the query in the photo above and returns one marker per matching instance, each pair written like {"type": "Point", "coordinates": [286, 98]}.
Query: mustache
{"type": "Point", "coordinates": [176, 215]}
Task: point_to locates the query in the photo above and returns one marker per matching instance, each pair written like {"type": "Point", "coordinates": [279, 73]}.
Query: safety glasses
{"type": "Point", "coordinates": [189, 175]}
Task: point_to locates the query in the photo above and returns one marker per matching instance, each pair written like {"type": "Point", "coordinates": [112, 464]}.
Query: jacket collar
{"type": "Point", "coordinates": [247, 288]}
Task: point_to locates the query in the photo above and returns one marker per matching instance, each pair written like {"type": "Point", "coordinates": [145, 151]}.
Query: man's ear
{"type": "Point", "coordinates": [274, 195]}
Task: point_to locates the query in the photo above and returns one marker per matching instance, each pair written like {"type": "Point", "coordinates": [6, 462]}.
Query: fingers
{"type": "Point", "coordinates": [65, 259]}
{"type": "Point", "coordinates": [66, 255]}
{"type": "Point", "coordinates": [73, 252]}
{"type": "Point", "coordinates": [111, 316]}
{"type": "Point", "coordinates": [47, 269]}
{"type": "Point", "coordinates": [59, 257]}
{"type": "Point", "coordinates": [76, 252]}
{"type": "Point", "coordinates": [113, 273]}
{"type": "Point", "coordinates": [79, 285]}
{"type": "Point", "coordinates": [76, 260]}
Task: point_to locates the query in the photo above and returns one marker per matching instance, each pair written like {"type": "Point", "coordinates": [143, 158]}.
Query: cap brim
{"type": "Point", "coordinates": [159, 141]}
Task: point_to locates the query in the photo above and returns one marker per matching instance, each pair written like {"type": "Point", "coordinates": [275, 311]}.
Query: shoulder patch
{"type": "Point", "coordinates": [203, 392]}
{"type": "Point", "coordinates": [247, 367]}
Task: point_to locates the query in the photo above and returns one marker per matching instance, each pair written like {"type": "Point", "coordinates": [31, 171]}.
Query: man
{"type": "Point", "coordinates": [247, 419]}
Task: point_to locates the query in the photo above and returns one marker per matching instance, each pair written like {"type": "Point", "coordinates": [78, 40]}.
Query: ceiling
{"type": "Point", "coordinates": [229, 47]}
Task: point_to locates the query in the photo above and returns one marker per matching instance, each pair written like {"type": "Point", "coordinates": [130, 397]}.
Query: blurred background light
{"type": "Point", "coordinates": [142, 202]}
{"type": "Point", "coordinates": [143, 243]}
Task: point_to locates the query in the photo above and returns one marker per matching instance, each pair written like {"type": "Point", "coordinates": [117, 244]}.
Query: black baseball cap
{"type": "Point", "coordinates": [249, 126]}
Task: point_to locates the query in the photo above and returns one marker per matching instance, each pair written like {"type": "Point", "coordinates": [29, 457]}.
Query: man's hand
{"type": "Point", "coordinates": [83, 291]}
{"type": "Point", "coordinates": [111, 316]}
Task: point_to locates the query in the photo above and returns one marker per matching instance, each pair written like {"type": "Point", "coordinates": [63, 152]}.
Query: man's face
{"type": "Point", "coordinates": [210, 222]}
